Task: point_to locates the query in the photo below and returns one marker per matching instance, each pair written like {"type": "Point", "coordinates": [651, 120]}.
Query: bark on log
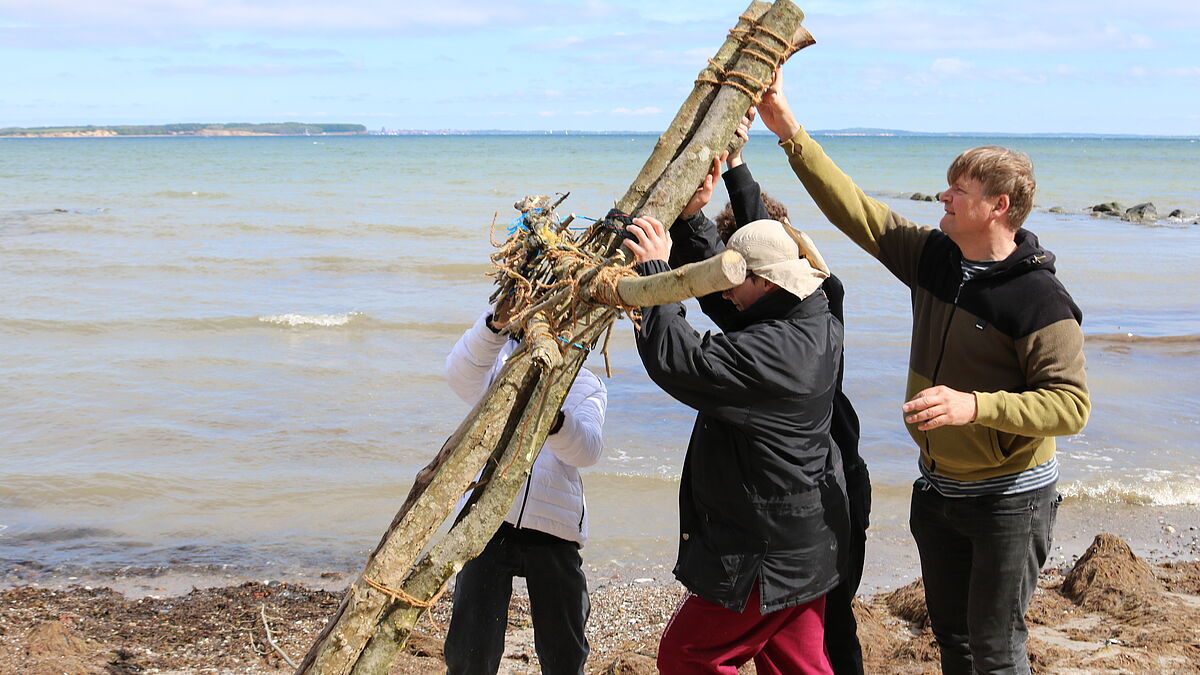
{"type": "Point", "coordinates": [691, 112]}
{"type": "Point", "coordinates": [672, 192]}
{"type": "Point", "coordinates": [468, 537]}
{"type": "Point", "coordinates": [435, 492]}
{"type": "Point", "coordinates": [719, 273]}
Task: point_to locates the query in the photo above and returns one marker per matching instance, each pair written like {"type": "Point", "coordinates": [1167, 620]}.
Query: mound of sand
{"type": "Point", "coordinates": [1108, 575]}
{"type": "Point", "coordinates": [908, 603]}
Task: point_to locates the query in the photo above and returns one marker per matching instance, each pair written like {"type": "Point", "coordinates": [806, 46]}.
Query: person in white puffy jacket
{"type": "Point", "coordinates": [542, 533]}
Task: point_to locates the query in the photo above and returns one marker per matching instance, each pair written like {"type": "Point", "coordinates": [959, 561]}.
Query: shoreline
{"type": "Point", "coordinates": [187, 135]}
{"type": "Point", "coordinates": [1109, 612]}
{"type": "Point", "coordinates": [1160, 534]}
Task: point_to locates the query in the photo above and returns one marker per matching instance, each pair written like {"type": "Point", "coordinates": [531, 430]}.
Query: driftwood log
{"type": "Point", "coordinates": [761, 27]}
{"type": "Point", "coordinates": [773, 41]}
{"type": "Point", "coordinates": [692, 111]}
{"type": "Point", "coordinates": [718, 273]}
{"type": "Point", "coordinates": [570, 302]}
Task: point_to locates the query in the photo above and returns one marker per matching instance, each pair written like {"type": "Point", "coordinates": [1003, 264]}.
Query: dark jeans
{"type": "Point", "coordinates": [558, 603]}
{"type": "Point", "coordinates": [980, 558]}
{"type": "Point", "coordinates": [841, 629]}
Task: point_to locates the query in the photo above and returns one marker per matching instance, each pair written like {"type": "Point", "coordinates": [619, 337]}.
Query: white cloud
{"type": "Point", "coordinates": [404, 15]}
{"type": "Point", "coordinates": [260, 70]}
{"type": "Point", "coordinates": [648, 110]}
{"type": "Point", "coordinates": [551, 45]}
{"type": "Point", "coordinates": [951, 66]}
{"type": "Point", "coordinates": [1041, 27]}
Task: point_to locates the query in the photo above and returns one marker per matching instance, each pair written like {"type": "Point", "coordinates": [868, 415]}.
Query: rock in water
{"type": "Point", "coordinates": [1108, 207]}
{"type": "Point", "coordinates": [1108, 574]}
{"type": "Point", "coordinates": [1143, 211]}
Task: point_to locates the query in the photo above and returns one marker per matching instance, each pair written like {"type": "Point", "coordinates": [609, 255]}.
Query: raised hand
{"type": "Point", "coordinates": [743, 132]}
{"type": "Point", "coordinates": [775, 111]}
{"type": "Point", "coordinates": [652, 241]}
{"type": "Point", "coordinates": [703, 193]}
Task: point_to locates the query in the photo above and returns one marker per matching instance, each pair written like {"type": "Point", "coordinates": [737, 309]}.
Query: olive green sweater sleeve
{"type": "Point", "coordinates": [890, 238]}
{"type": "Point", "coordinates": [1056, 402]}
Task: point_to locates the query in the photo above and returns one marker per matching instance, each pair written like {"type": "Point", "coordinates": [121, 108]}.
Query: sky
{"type": "Point", "coordinates": [1012, 66]}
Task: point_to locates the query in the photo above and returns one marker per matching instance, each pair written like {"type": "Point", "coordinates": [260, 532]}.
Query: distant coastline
{"type": "Point", "coordinates": [306, 129]}
{"type": "Point", "coordinates": [853, 131]}
{"type": "Point", "coordinates": [187, 129]}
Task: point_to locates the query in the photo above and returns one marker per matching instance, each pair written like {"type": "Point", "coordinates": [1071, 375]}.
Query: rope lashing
{"type": "Point", "coordinates": [398, 595]}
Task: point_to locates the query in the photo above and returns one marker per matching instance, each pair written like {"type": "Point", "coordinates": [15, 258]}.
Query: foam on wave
{"type": "Point", "coordinates": [1152, 491]}
{"type": "Point", "coordinates": [321, 320]}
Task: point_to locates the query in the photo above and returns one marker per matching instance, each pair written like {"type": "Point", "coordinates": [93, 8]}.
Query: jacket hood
{"type": "Point", "coordinates": [1028, 256]}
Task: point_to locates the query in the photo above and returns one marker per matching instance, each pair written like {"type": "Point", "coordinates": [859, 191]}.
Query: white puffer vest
{"type": "Point", "coordinates": [551, 500]}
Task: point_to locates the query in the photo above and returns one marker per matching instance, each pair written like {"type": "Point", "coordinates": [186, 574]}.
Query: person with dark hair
{"type": "Point", "coordinates": [697, 238]}
{"type": "Point", "coordinates": [995, 373]}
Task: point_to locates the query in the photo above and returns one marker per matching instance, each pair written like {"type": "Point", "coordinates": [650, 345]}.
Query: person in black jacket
{"type": "Point", "coordinates": [698, 238]}
{"type": "Point", "coordinates": [762, 504]}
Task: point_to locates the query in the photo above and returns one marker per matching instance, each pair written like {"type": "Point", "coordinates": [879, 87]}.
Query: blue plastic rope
{"type": "Point", "coordinates": [519, 222]}
{"type": "Point", "coordinates": [583, 347]}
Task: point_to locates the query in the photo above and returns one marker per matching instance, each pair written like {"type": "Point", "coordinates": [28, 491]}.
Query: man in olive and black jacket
{"type": "Point", "coordinates": [762, 504]}
{"type": "Point", "coordinates": [996, 372]}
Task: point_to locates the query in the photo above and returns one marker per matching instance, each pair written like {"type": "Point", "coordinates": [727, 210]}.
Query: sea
{"type": "Point", "coordinates": [221, 358]}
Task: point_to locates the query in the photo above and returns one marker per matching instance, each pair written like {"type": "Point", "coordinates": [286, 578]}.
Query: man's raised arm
{"type": "Point", "coordinates": [868, 222]}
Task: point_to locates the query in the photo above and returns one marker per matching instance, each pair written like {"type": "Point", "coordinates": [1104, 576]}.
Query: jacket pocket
{"type": "Point", "coordinates": [1014, 444]}
{"type": "Point", "coordinates": [720, 563]}
{"type": "Point", "coordinates": [962, 450]}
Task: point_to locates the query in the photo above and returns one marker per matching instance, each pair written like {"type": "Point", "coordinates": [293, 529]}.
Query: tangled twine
{"type": "Point", "coordinates": [548, 279]}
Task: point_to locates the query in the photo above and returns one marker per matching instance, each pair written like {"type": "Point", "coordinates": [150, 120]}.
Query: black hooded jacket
{"type": "Point", "coordinates": [761, 496]}
{"type": "Point", "coordinates": [696, 239]}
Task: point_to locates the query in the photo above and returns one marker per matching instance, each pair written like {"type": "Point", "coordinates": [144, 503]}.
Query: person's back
{"type": "Point", "coordinates": [762, 505]}
{"type": "Point", "coordinates": [696, 238]}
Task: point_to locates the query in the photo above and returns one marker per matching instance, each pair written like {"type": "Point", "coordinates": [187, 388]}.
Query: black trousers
{"type": "Point", "coordinates": [558, 603]}
{"type": "Point", "coordinates": [841, 629]}
{"type": "Point", "coordinates": [980, 558]}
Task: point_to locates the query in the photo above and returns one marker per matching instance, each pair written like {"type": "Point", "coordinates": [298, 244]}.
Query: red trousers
{"type": "Point", "coordinates": [707, 638]}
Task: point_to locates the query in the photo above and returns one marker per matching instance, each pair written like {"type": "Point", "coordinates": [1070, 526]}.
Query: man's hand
{"type": "Point", "coordinates": [703, 193]}
{"type": "Point", "coordinates": [653, 242]}
{"type": "Point", "coordinates": [501, 315]}
{"type": "Point", "coordinates": [743, 132]}
{"type": "Point", "coordinates": [940, 406]}
{"type": "Point", "coordinates": [774, 109]}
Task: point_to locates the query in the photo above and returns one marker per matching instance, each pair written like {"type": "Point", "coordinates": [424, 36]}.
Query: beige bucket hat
{"type": "Point", "coordinates": [780, 254]}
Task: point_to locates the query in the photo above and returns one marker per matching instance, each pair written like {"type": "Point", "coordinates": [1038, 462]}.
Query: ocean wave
{"type": "Point", "coordinates": [1150, 492]}
{"type": "Point", "coordinates": [291, 320]}
{"type": "Point", "coordinates": [1127, 338]}
{"type": "Point", "coordinates": [190, 194]}
{"type": "Point", "coordinates": [323, 320]}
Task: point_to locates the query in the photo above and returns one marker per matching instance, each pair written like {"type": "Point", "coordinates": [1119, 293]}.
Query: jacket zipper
{"type": "Point", "coordinates": [938, 366]}
{"type": "Point", "coordinates": [582, 505]}
{"type": "Point", "coordinates": [946, 334]}
{"type": "Point", "coordinates": [524, 501]}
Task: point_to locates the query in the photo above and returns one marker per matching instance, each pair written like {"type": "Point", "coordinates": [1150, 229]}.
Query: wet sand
{"type": "Point", "coordinates": [1108, 612]}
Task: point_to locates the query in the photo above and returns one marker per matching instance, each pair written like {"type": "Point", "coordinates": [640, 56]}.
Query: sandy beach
{"type": "Point", "coordinates": [1109, 612]}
